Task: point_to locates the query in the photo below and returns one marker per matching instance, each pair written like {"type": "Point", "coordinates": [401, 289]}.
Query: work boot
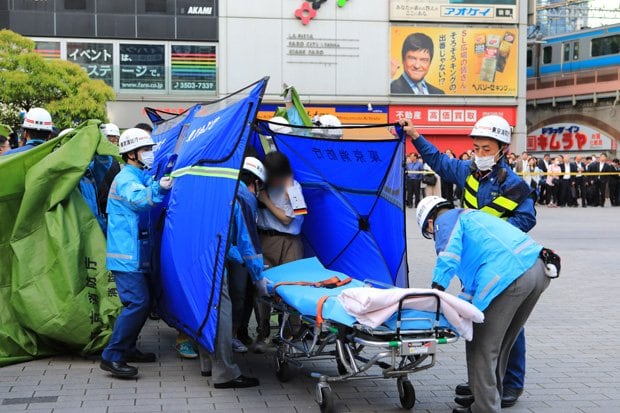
{"type": "Point", "coordinates": [464, 401]}
{"type": "Point", "coordinates": [463, 389]}
{"type": "Point", "coordinates": [118, 368]}
{"type": "Point", "coordinates": [510, 396]}
{"type": "Point", "coordinates": [461, 410]}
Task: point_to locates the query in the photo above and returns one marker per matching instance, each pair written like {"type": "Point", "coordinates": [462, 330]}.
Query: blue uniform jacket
{"type": "Point", "coordinates": [245, 245]}
{"type": "Point", "coordinates": [30, 144]}
{"type": "Point", "coordinates": [456, 171]}
{"type": "Point", "coordinates": [485, 252]}
{"type": "Point", "coordinates": [132, 194]}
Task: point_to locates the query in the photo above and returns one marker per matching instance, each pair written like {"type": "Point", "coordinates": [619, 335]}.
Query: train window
{"type": "Point", "coordinates": [575, 50]}
{"type": "Point", "coordinates": [606, 45]}
{"type": "Point", "coordinates": [529, 57]}
{"type": "Point", "coordinates": [547, 52]}
{"type": "Point", "coordinates": [566, 47]}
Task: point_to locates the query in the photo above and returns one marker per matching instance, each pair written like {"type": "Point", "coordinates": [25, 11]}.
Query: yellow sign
{"type": "Point", "coordinates": [453, 61]}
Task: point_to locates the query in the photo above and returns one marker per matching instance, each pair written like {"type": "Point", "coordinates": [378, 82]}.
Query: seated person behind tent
{"type": "Point", "coordinates": [279, 227]}
{"type": "Point", "coordinates": [245, 249]}
{"type": "Point", "coordinates": [502, 273]}
{"type": "Point", "coordinates": [132, 195]}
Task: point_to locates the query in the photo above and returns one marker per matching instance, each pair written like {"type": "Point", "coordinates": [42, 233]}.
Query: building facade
{"type": "Point", "coordinates": [344, 57]}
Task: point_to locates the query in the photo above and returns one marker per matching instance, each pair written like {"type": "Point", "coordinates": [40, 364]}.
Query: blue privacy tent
{"type": "Point", "coordinates": [209, 147]}
{"type": "Point", "coordinates": [354, 191]}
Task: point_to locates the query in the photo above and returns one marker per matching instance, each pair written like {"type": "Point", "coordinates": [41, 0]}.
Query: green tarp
{"type": "Point", "coordinates": [56, 295]}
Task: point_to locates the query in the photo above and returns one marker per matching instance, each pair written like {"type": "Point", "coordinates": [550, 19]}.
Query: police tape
{"type": "Point", "coordinates": [536, 173]}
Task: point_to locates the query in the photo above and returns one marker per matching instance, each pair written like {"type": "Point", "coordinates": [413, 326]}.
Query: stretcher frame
{"type": "Point", "coordinates": [397, 353]}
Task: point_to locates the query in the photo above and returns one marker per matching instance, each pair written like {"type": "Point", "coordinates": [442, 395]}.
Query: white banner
{"type": "Point", "coordinates": [469, 11]}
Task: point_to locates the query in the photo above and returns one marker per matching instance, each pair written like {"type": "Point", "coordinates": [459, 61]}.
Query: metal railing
{"type": "Point", "coordinates": [584, 82]}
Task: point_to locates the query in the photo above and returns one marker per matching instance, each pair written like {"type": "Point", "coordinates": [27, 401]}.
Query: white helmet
{"type": "Point", "coordinates": [110, 129]}
{"type": "Point", "coordinates": [279, 128]}
{"type": "Point", "coordinates": [329, 121]}
{"type": "Point", "coordinates": [494, 127]}
{"type": "Point", "coordinates": [134, 138]}
{"type": "Point", "coordinates": [38, 119]}
{"type": "Point", "coordinates": [255, 167]}
{"type": "Point", "coordinates": [65, 131]}
{"type": "Point", "coordinates": [426, 207]}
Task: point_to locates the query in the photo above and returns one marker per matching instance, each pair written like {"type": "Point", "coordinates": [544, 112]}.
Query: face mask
{"type": "Point", "coordinates": [485, 163]}
{"type": "Point", "coordinates": [147, 159]}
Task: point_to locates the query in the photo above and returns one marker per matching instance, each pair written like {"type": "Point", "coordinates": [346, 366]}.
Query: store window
{"type": "Point", "coordinates": [193, 68]}
{"type": "Point", "coordinates": [94, 58]}
{"type": "Point", "coordinates": [142, 66]}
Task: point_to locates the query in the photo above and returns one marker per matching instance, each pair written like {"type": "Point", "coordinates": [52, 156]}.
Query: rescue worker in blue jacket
{"type": "Point", "coordinates": [502, 274]}
{"type": "Point", "coordinates": [132, 194]}
{"type": "Point", "coordinates": [244, 249]}
{"type": "Point", "coordinates": [38, 128]}
{"type": "Point", "coordinates": [489, 185]}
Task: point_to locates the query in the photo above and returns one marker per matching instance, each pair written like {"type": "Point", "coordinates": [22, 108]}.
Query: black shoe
{"type": "Point", "coordinates": [464, 401]}
{"type": "Point", "coordinates": [118, 368]}
{"type": "Point", "coordinates": [463, 389]}
{"type": "Point", "coordinates": [154, 316]}
{"type": "Point", "coordinates": [510, 396]}
{"type": "Point", "coordinates": [240, 382]}
{"type": "Point", "coordinates": [205, 373]}
{"type": "Point", "coordinates": [140, 357]}
{"type": "Point", "coordinates": [461, 410]}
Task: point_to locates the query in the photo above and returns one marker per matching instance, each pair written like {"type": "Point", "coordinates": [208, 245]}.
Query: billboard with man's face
{"type": "Point", "coordinates": [469, 11]}
{"type": "Point", "coordinates": [453, 61]}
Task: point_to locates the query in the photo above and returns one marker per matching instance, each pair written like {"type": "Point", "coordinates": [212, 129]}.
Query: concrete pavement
{"type": "Point", "coordinates": [573, 349]}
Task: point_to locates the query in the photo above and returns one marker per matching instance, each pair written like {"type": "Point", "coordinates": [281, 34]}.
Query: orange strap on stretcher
{"type": "Point", "coordinates": [333, 282]}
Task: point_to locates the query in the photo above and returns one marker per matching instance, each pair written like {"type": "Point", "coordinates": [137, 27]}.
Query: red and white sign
{"type": "Point", "coordinates": [564, 137]}
{"type": "Point", "coordinates": [448, 120]}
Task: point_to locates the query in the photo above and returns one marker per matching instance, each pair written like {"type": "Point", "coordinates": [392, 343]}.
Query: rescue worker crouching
{"type": "Point", "coordinates": [489, 185]}
{"type": "Point", "coordinates": [132, 194]}
{"type": "Point", "coordinates": [244, 249]}
{"type": "Point", "coordinates": [502, 273]}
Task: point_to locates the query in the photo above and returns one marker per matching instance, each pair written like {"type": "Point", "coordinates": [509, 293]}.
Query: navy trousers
{"type": "Point", "coordinates": [133, 290]}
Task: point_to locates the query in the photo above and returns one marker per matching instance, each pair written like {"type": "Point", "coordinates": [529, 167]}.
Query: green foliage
{"type": "Point", "coordinates": [61, 87]}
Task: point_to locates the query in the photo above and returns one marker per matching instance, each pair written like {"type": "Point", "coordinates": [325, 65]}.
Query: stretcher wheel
{"type": "Point", "coordinates": [406, 393]}
{"type": "Point", "coordinates": [325, 399]}
{"type": "Point", "coordinates": [283, 369]}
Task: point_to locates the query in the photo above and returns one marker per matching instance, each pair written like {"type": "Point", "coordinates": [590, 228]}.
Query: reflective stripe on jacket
{"type": "Point", "coordinates": [486, 253]}
{"type": "Point", "coordinates": [456, 171]}
{"type": "Point", "coordinates": [503, 205]}
{"type": "Point", "coordinates": [132, 194]}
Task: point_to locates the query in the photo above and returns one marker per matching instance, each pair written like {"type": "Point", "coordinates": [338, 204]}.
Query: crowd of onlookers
{"type": "Point", "coordinates": [559, 180]}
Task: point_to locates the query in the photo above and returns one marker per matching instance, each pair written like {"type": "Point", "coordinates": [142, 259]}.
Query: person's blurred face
{"type": "Point", "coordinates": [485, 146]}
{"type": "Point", "coordinates": [578, 158]}
{"type": "Point", "coordinates": [524, 156]}
{"type": "Point", "coordinates": [416, 64]}
{"type": "Point", "coordinates": [465, 156]}
{"type": "Point", "coordinates": [547, 157]}
{"type": "Point", "coordinates": [113, 139]}
{"type": "Point", "coordinates": [603, 158]}
{"type": "Point", "coordinates": [6, 146]}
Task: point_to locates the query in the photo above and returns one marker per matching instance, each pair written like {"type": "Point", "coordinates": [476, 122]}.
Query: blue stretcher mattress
{"type": "Point", "coordinates": [305, 298]}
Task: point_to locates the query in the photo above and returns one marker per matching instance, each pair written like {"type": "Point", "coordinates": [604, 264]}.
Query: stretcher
{"type": "Point", "coordinates": [314, 326]}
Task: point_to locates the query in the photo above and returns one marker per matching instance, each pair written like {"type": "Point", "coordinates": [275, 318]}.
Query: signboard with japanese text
{"type": "Point", "coordinates": [565, 137]}
{"type": "Point", "coordinates": [142, 66]}
{"type": "Point", "coordinates": [449, 120]}
{"type": "Point", "coordinates": [469, 11]}
{"type": "Point", "coordinates": [94, 58]}
{"type": "Point", "coordinates": [193, 68]}
{"type": "Point", "coordinates": [47, 50]}
{"type": "Point", "coordinates": [453, 61]}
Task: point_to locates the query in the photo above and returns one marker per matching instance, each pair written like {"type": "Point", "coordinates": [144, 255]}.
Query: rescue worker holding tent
{"type": "Point", "coordinates": [132, 194]}
{"type": "Point", "coordinates": [244, 249]}
{"type": "Point", "coordinates": [38, 129]}
{"type": "Point", "coordinates": [489, 185]}
{"type": "Point", "coordinates": [503, 274]}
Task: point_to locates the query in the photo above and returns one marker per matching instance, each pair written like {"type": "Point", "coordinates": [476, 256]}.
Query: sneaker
{"type": "Point", "coordinates": [186, 350]}
{"type": "Point", "coordinates": [238, 346]}
{"type": "Point", "coordinates": [245, 339]}
{"type": "Point", "coordinates": [260, 347]}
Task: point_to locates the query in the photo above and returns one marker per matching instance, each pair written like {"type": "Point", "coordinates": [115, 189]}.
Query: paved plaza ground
{"type": "Point", "coordinates": [573, 349]}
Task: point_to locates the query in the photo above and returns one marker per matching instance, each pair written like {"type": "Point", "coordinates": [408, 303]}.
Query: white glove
{"type": "Point", "coordinates": [165, 183]}
{"type": "Point", "coordinates": [261, 287]}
